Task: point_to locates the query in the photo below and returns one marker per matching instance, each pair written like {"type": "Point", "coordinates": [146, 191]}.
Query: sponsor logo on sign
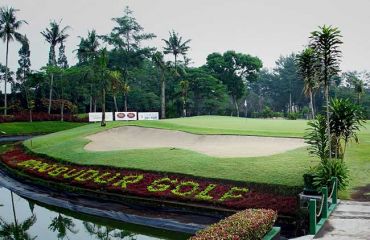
{"type": "Point", "coordinates": [131, 115]}
{"type": "Point", "coordinates": [121, 115]}
{"type": "Point", "coordinates": [126, 116]}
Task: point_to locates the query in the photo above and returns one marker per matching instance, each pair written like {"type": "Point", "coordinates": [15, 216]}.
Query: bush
{"type": "Point", "coordinates": [248, 224]}
{"type": "Point", "coordinates": [292, 116]}
{"type": "Point", "coordinates": [331, 168]}
{"type": "Point", "coordinates": [25, 117]}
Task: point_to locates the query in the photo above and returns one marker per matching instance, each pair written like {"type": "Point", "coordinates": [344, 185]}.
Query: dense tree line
{"type": "Point", "coordinates": [119, 72]}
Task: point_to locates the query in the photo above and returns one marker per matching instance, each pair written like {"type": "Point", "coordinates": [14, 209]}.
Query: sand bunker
{"type": "Point", "coordinates": [125, 138]}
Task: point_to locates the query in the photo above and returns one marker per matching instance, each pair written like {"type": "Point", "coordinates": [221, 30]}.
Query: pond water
{"type": "Point", "coordinates": [23, 219]}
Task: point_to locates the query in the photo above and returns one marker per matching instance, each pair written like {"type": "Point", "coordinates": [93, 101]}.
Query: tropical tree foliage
{"type": "Point", "coordinates": [54, 35]}
{"type": "Point", "coordinates": [176, 46]}
{"type": "Point", "coordinates": [9, 25]}
{"type": "Point", "coordinates": [326, 42]}
{"type": "Point", "coordinates": [306, 62]}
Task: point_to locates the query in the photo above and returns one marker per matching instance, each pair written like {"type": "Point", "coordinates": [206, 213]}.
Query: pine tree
{"type": "Point", "coordinates": [23, 72]}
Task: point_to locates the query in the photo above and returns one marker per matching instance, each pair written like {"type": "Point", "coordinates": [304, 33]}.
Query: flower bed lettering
{"type": "Point", "coordinates": [148, 184]}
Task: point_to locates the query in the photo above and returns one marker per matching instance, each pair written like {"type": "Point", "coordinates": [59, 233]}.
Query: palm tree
{"type": "Point", "coordinates": [86, 53]}
{"type": "Point", "coordinates": [161, 65]}
{"type": "Point", "coordinates": [357, 84]}
{"type": "Point", "coordinates": [62, 225]}
{"type": "Point", "coordinates": [54, 35]}
{"type": "Point", "coordinates": [8, 32]}
{"type": "Point", "coordinates": [176, 46]}
{"type": "Point", "coordinates": [116, 85]}
{"type": "Point", "coordinates": [306, 62]}
{"type": "Point", "coordinates": [326, 42]}
{"type": "Point", "coordinates": [104, 82]}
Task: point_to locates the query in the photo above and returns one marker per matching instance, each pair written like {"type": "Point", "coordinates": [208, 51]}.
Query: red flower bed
{"type": "Point", "coordinates": [150, 184]}
{"type": "Point", "coordinates": [247, 224]}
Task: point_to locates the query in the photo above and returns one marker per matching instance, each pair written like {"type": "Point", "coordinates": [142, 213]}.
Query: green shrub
{"type": "Point", "coordinates": [331, 168]}
{"type": "Point", "coordinates": [292, 116]}
{"type": "Point", "coordinates": [317, 139]}
{"type": "Point", "coordinates": [249, 224]}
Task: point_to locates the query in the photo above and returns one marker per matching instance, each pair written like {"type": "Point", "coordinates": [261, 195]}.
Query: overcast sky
{"type": "Point", "coordinates": [264, 28]}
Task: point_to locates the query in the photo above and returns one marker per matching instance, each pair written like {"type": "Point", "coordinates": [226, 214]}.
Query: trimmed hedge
{"type": "Point", "coordinates": [249, 224]}
{"type": "Point", "coordinates": [41, 116]}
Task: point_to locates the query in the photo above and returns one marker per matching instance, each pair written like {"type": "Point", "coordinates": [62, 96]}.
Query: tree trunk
{"type": "Point", "coordinates": [184, 106]}
{"type": "Point", "coordinates": [62, 106]}
{"type": "Point", "coordinates": [91, 98]}
{"type": "Point", "coordinates": [163, 97]}
{"type": "Point", "coordinates": [311, 106]}
{"type": "Point", "coordinates": [62, 111]}
{"type": "Point", "coordinates": [236, 106]}
{"type": "Point", "coordinates": [328, 118]}
{"type": "Point", "coordinates": [6, 77]}
{"type": "Point", "coordinates": [115, 103]}
{"type": "Point", "coordinates": [30, 115]}
{"type": "Point", "coordinates": [103, 123]}
{"type": "Point", "coordinates": [290, 102]}
{"type": "Point", "coordinates": [358, 98]}
{"type": "Point", "coordinates": [15, 216]}
{"type": "Point", "coordinates": [94, 100]}
{"type": "Point", "coordinates": [176, 65]}
{"type": "Point", "coordinates": [125, 102]}
{"type": "Point", "coordinates": [50, 92]}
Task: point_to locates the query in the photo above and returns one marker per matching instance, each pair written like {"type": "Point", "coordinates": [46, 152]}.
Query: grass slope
{"type": "Point", "coordinates": [286, 168]}
{"type": "Point", "coordinates": [25, 128]}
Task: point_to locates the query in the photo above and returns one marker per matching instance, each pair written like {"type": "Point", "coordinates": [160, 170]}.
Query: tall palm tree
{"type": "Point", "coordinates": [62, 225]}
{"type": "Point", "coordinates": [8, 32]}
{"type": "Point", "coordinates": [87, 53]}
{"type": "Point", "coordinates": [306, 62]}
{"type": "Point", "coordinates": [176, 46]}
{"type": "Point", "coordinates": [104, 82]}
{"type": "Point", "coordinates": [54, 35]}
{"type": "Point", "coordinates": [159, 62]}
{"type": "Point", "coordinates": [326, 42]}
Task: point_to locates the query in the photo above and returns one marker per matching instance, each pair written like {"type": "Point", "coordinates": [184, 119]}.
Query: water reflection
{"type": "Point", "coordinates": [16, 230]}
{"type": "Point", "coordinates": [107, 233]}
{"type": "Point", "coordinates": [18, 221]}
{"type": "Point", "coordinates": [62, 225]}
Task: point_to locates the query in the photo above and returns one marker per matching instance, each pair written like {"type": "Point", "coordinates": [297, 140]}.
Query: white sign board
{"type": "Point", "coordinates": [126, 116]}
{"type": "Point", "coordinates": [148, 116]}
{"type": "Point", "coordinates": [97, 116]}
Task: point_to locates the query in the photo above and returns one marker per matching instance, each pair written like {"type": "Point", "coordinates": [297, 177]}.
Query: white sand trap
{"type": "Point", "coordinates": [125, 138]}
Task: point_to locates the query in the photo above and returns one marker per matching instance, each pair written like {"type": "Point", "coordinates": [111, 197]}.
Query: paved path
{"type": "Point", "coordinates": [350, 221]}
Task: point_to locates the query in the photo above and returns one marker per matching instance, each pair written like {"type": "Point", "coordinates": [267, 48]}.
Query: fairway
{"type": "Point", "coordinates": [285, 168]}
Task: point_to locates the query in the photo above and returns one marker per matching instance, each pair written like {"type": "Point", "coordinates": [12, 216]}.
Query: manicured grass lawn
{"type": "Point", "coordinates": [286, 168]}
{"type": "Point", "coordinates": [24, 128]}
{"type": "Point", "coordinates": [242, 126]}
